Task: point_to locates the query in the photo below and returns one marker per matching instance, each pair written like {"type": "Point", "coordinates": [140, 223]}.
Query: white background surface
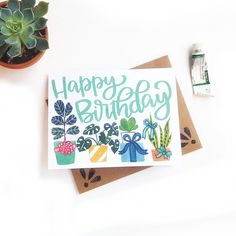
{"type": "Point", "coordinates": [196, 197]}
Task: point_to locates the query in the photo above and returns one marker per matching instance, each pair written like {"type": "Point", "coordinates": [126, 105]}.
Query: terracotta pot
{"type": "Point", "coordinates": [155, 153]}
{"type": "Point", "coordinates": [27, 63]}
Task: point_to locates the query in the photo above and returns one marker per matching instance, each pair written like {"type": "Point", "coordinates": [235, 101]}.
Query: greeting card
{"type": "Point", "coordinates": [112, 119]}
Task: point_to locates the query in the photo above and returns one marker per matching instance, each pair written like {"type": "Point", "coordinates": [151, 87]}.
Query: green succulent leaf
{"type": "Point", "coordinates": [42, 44]}
{"type": "Point", "coordinates": [28, 16]}
{"type": "Point", "coordinates": [2, 39]}
{"type": "Point", "coordinates": [41, 9]}
{"type": "Point", "coordinates": [3, 49]}
{"type": "Point", "coordinates": [15, 50]}
{"type": "Point", "coordinates": [18, 16]}
{"type": "Point", "coordinates": [2, 22]}
{"type": "Point", "coordinates": [27, 38]}
{"type": "Point", "coordinates": [5, 31]}
{"type": "Point", "coordinates": [27, 4]}
{"type": "Point", "coordinates": [14, 5]}
{"type": "Point", "coordinates": [6, 14]}
{"type": "Point", "coordinates": [13, 39]}
{"type": "Point", "coordinates": [40, 23]}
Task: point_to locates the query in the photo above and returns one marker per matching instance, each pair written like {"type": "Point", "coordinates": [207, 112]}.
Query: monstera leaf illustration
{"type": "Point", "coordinates": [114, 145]}
{"type": "Point", "coordinates": [111, 129]}
{"type": "Point", "coordinates": [91, 129]}
{"type": "Point", "coordinates": [83, 144]}
{"type": "Point", "coordinates": [103, 138]}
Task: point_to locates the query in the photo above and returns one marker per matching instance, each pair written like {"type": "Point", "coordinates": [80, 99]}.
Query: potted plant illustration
{"type": "Point", "coordinates": [160, 140]}
{"type": "Point", "coordinates": [128, 126]}
{"type": "Point", "coordinates": [23, 33]}
{"type": "Point", "coordinates": [65, 150]}
{"type": "Point", "coordinates": [97, 142]}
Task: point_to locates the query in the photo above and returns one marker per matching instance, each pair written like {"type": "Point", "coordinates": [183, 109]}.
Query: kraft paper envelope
{"type": "Point", "coordinates": [88, 179]}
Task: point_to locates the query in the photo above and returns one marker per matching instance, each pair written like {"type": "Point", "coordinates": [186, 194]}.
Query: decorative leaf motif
{"type": "Point", "coordinates": [73, 130]}
{"type": "Point", "coordinates": [132, 124]}
{"type": "Point", "coordinates": [91, 129]}
{"type": "Point", "coordinates": [168, 140]}
{"type": "Point", "coordinates": [58, 136]}
{"type": "Point", "coordinates": [161, 137]}
{"type": "Point", "coordinates": [59, 107]}
{"type": "Point", "coordinates": [103, 138]}
{"type": "Point", "coordinates": [96, 179]}
{"type": "Point", "coordinates": [68, 109]}
{"type": "Point", "coordinates": [57, 120]}
{"type": "Point", "coordinates": [112, 129]}
{"type": "Point", "coordinates": [83, 173]}
{"type": "Point", "coordinates": [114, 145]}
{"type": "Point", "coordinates": [187, 131]}
{"type": "Point", "coordinates": [166, 133]}
{"type": "Point", "coordinates": [124, 125]}
{"type": "Point", "coordinates": [58, 131]}
{"type": "Point", "coordinates": [91, 173]}
{"type": "Point", "coordinates": [71, 120]}
{"type": "Point", "coordinates": [83, 144]}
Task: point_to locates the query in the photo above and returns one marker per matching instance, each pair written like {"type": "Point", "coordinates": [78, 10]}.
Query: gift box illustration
{"type": "Point", "coordinates": [102, 139]}
{"type": "Point", "coordinates": [132, 150]}
{"type": "Point", "coordinates": [65, 150]}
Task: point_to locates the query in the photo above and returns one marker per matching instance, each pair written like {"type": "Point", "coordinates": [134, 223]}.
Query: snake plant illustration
{"type": "Point", "coordinates": [97, 141]}
{"type": "Point", "coordinates": [160, 138]}
{"type": "Point", "coordinates": [64, 150]}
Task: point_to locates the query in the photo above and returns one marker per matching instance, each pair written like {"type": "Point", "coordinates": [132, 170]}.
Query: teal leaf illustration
{"type": "Point", "coordinates": [71, 120]}
{"type": "Point", "coordinates": [91, 129]}
{"type": "Point", "coordinates": [59, 107]}
{"type": "Point", "coordinates": [69, 109]}
{"type": "Point", "coordinates": [123, 125]}
{"type": "Point", "coordinates": [58, 131]}
{"type": "Point", "coordinates": [73, 130]}
{"type": "Point", "coordinates": [57, 120]}
{"type": "Point", "coordinates": [83, 144]}
{"type": "Point", "coordinates": [57, 136]}
{"type": "Point", "coordinates": [114, 145]}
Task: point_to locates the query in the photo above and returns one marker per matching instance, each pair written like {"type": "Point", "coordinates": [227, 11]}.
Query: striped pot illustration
{"type": "Point", "coordinates": [97, 141]}
{"type": "Point", "coordinates": [98, 153]}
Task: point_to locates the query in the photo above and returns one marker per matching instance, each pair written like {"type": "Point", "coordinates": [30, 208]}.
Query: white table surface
{"type": "Point", "coordinates": [195, 197]}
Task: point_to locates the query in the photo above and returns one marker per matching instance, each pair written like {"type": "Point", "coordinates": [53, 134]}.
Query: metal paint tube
{"type": "Point", "coordinates": [199, 72]}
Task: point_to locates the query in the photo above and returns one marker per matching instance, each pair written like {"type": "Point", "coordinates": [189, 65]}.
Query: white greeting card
{"type": "Point", "coordinates": [112, 119]}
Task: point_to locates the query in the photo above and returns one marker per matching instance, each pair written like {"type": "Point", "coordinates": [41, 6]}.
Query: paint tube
{"type": "Point", "coordinates": [199, 72]}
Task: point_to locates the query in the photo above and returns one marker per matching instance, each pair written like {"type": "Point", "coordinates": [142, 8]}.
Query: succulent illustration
{"type": "Point", "coordinates": [20, 26]}
{"type": "Point", "coordinates": [128, 125]}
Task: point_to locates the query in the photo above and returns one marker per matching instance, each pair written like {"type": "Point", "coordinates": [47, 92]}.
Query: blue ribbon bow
{"type": "Point", "coordinates": [133, 146]}
{"type": "Point", "coordinates": [151, 126]}
{"type": "Point", "coordinates": [163, 152]}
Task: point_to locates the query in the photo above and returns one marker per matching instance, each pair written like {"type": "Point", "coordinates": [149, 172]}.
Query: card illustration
{"type": "Point", "coordinates": [112, 119]}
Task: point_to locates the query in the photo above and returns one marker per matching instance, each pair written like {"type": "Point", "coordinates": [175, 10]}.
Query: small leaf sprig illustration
{"type": "Point", "coordinates": [94, 135]}
{"type": "Point", "coordinates": [128, 125]}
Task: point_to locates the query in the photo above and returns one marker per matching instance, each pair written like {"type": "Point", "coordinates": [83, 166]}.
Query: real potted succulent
{"type": "Point", "coordinates": [160, 141]}
{"type": "Point", "coordinates": [101, 139]}
{"type": "Point", "coordinates": [128, 126]}
{"type": "Point", "coordinates": [65, 150]}
{"type": "Point", "coordinates": [23, 33]}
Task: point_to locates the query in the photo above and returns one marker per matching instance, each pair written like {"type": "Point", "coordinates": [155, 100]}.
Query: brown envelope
{"type": "Point", "coordinates": [88, 179]}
